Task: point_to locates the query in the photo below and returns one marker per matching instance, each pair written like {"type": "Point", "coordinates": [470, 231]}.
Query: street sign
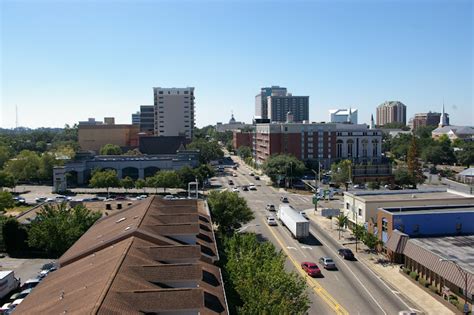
{"type": "Point", "coordinates": [315, 200]}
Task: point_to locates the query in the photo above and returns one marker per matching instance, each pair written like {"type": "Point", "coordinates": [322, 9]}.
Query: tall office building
{"type": "Point", "coordinates": [136, 118]}
{"type": "Point", "coordinates": [391, 112]}
{"type": "Point", "coordinates": [147, 119]}
{"type": "Point", "coordinates": [426, 119]}
{"type": "Point", "coordinates": [261, 104]}
{"type": "Point", "coordinates": [279, 106]}
{"type": "Point", "coordinates": [343, 115]}
{"type": "Point", "coordinates": [174, 111]}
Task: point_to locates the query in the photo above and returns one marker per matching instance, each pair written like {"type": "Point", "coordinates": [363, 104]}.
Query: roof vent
{"type": "Point", "coordinates": [127, 228]}
{"type": "Point", "coordinates": [120, 220]}
{"type": "Point", "coordinates": [413, 196]}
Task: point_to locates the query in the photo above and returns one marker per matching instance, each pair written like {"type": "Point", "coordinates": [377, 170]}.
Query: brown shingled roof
{"type": "Point", "coordinates": [112, 269]}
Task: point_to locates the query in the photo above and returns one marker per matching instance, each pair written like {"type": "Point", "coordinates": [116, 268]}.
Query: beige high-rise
{"type": "Point", "coordinates": [174, 111]}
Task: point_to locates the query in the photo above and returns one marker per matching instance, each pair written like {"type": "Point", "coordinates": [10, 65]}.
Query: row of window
{"type": "Point", "coordinates": [169, 92]}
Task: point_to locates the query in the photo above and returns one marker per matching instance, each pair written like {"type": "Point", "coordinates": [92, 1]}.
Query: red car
{"type": "Point", "coordinates": [311, 269]}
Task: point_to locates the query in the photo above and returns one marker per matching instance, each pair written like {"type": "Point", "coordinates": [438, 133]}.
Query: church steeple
{"type": "Point", "coordinates": [443, 120]}
{"type": "Point", "coordinates": [372, 123]}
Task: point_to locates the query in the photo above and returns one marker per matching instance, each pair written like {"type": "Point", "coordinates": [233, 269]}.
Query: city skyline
{"type": "Point", "coordinates": [75, 61]}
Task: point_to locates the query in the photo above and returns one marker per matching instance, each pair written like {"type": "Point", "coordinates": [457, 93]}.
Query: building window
{"type": "Point", "coordinates": [360, 211]}
{"type": "Point", "coordinates": [339, 148]}
{"type": "Point", "coordinates": [347, 205]}
{"type": "Point", "coordinates": [364, 148]}
{"type": "Point", "coordinates": [160, 92]}
{"type": "Point", "coordinates": [350, 147]}
{"type": "Point", "coordinates": [384, 225]}
{"type": "Point", "coordinates": [375, 145]}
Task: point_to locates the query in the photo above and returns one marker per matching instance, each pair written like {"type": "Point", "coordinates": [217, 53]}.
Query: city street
{"type": "Point", "coordinates": [353, 288]}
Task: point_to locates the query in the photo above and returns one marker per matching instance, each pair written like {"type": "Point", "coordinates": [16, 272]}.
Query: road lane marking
{"type": "Point", "coordinates": [355, 277]}
{"type": "Point", "coordinates": [317, 288]}
{"type": "Point", "coordinates": [291, 247]}
{"type": "Point", "coordinates": [306, 247]}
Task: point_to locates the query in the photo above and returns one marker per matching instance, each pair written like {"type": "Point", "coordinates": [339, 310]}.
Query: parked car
{"type": "Point", "coordinates": [346, 253]}
{"type": "Point", "coordinates": [40, 199]}
{"type": "Point", "coordinates": [257, 177]}
{"type": "Point", "coordinates": [62, 198]}
{"type": "Point", "coordinates": [30, 283]}
{"type": "Point", "coordinates": [168, 197]}
{"type": "Point", "coordinates": [50, 199]}
{"type": "Point", "coordinates": [311, 269]}
{"type": "Point", "coordinates": [235, 189]}
{"type": "Point", "coordinates": [284, 199]}
{"type": "Point", "coordinates": [252, 187]}
{"type": "Point", "coordinates": [327, 263]}
{"type": "Point", "coordinates": [245, 188]}
{"type": "Point", "coordinates": [20, 295]}
{"type": "Point", "coordinates": [270, 207]}
{"type": "Point", "coordinates": [234, 174]}
{"type": "Point", "coordinates": [19, 199]}
{"type": "Point", "coordinates": [304, 215]}
{"type": "Point", "coordinates": [271, 221]}
{"type": "Point", "coordinates": [252, 174]}
{"type": "Point", "coordinates": [359, 186]}
{"type": "Point", "coordinates": [234, 167]}
{"type": "Point", "coordinates": [231, 182]}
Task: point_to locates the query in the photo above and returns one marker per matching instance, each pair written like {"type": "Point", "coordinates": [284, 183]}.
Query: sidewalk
{"type": "Point", "coordinates": [389, 273]}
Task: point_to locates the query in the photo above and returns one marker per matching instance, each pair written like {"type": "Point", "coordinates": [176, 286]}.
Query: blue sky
{"type": "Point", "coordinates": [64, 61]}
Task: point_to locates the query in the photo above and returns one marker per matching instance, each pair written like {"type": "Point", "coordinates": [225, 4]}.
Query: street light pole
{"type": "Point", "coordinates": [464, 274]}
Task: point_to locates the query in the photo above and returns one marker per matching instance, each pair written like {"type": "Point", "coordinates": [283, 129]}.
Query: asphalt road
{"type": "Point", "coordinates": [353, 286]}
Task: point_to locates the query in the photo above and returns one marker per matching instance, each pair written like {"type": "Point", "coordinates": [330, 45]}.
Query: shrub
{"type": "Point", "coordinates": [454, 302]}
{"type": "Point", "coordinates": [414, 275]}
{"type": "Point", "coordinates": [422, 281]}
{"type": "Point", "coordinates": [406, 270]}
{"type": "Point", "coordinates": [434, 289]}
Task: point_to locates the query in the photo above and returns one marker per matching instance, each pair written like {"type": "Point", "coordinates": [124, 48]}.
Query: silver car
{"type": "Point", "coordinates": [327, 263]}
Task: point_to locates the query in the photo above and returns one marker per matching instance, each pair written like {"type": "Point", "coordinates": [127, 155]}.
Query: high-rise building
{"type": "Point", "coordinates": [261, 104]}
{"type": "Point", "coordinates": [147, 119]}
{"type": "Point", "coordinates": [343, 115]}
{"type": "Point", "coordinates": [279, 106]}
{"type": "Point", "coordinates": [174, 111]}
{"type": "Point", "coordinates": [426, 119]}
{"type": "Point", "coordinates": [391, 112]}
{"type": "Point", "coordinates": [136, 118]}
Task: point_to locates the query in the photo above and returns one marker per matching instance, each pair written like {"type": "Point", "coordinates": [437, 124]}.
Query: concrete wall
{"type": "Point", "coordinates": [94, 137]}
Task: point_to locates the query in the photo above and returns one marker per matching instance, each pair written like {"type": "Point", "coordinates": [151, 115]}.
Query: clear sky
{"type": "Point", "coordinates": [64, 61]}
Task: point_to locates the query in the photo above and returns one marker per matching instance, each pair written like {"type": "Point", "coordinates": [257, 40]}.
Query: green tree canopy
{"type": "Point", "coordinates": [127, 183]}
{"type": "Point", "coordinates": [465, 154]}
{"type": "Point", "coordinates": [395, 125]}
{"type": "Point", "coordinates": [283, 166]}
{"type": "Point", "coordinates": [57, 227]}
{"type": "Point", "coordinates": [413, 163]}
{"type": "Point", "coordinates": [110, 149]}
{"type": "Point", "coordinates": [208, 149]}
{"type": "Point", "coordinates": [5, 154]}
{"type": "Point", "coordinates": [256, 271]}
{"type": "Point", "coordinates": [403, 177]}
{"type": "Point", "coordinates": [6, 180]}
{"type": "Point", "coordinates": [341, 172]}
{"type": "Point", "coordinates": [104, 179]}
{"type": "Point", "coordinates": [6, 200]}
{"type": "Point", "coordinates": [229, 211]}
{"type": "Point", "coordinates": [140, 183]}
{"type": "Point", "coordinates": [244, 152]}
{"type": "Point", "coordinates": [168, 179]}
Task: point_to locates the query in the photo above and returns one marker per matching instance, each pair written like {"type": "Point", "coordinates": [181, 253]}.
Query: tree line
{"type": "Point", "coordinates": [254, 271]}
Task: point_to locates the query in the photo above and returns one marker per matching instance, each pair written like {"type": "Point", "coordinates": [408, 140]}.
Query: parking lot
{"type": "Point", "coordinates": [24, 268]}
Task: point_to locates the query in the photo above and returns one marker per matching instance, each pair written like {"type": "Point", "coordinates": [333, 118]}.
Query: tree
{"type": "Point", "coordinates": [153, 182]}
{"type": "Point", "coordinates": [283, 166]}
{"type": "Point", "coordinates": [403, 177]}
{"type": "Point", "coordinates": [395, 125]}
{"type": "Point", "coordinates": [104, 179]}
{"type": "Point", "coordinates": [359, 231]}
{"type": "Point", "coordinates": [58, 227]}
{"type": "Point", "coordinates": [244, 152]}
{"type": "Point", "coordinates": [127, 183]}
{"type": "Point", "coordinates": [140, 184]}
{"type": "Point", "coordinates": [6, 201]}
{"type": "Point", "coordinates": [229, 211]}
{"type": "Point", "coordinates": [168, 179]}
{"type": "Point", "coordinates": [432, 154]}
{"type": "Point", "coordinates": [134, 152]}
{"type": "Point", "coordinates": [24, 166]}
{"type": "Point", "coordinates": [399, 145]}
{"type": "Point", "coordinates": [14, 235]}
{"type": "Point", "coordinates": [341, 222]}
{"type": "Point", "coordinates": [186, 175]}
{"type": "Point", "coordinates": [341, 172]}
{"type": "Point", "coordinates": [371, 241]}
{"type": "Point", "coordinates": [255, 271]}
{"type": "Point", "coordinates": [110, 149]}
{"type": "Point", "coordinates": [46, 165]}
{"type": "Point", "coordinates": [413, 163]}
{"type": "Point", "coordinates": [204, 172]}
{"type": "Point", "coordinates": [209, 150]}
{"type": "Point", "coordinates": [6, 180]}
{"type": "Point", "coordinates": [465, 155]}
{"type": "Point", "coordinates": [5, 154]}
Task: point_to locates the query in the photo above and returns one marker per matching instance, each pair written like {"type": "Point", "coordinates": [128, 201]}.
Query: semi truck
{"type": "Point", "coordinates": [8, 282]}
{"type": "Point", "coordinates": [294, 221]}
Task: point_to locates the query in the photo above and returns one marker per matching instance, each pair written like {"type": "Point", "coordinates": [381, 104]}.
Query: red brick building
{"type": "Point", "coordinates": [240, 138]}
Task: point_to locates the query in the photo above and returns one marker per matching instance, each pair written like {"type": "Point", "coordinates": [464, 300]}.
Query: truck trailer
{"type": "Point", "coordinates": [8, 282]}
{"type": "Point", "coordinates": [294, 221]}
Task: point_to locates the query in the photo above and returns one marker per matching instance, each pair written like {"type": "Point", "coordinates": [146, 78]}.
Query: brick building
{"type": "Point", "coordinates": [426, 119]}
{"type": "Point", "coordinates": [240, 138]}
{"type": "Point", "coordinates": [321, 142]}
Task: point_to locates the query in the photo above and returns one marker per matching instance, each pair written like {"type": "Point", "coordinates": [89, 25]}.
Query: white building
{"type": "Point", "coordinates": [174, 111]}
{"type": "Point", "coordinates": [343, 116]}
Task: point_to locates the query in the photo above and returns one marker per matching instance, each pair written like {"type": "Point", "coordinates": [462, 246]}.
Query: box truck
{"type": "Point", "coordinates": [8, 282]}
{"type": "Point", "coordinates": [294, 221]}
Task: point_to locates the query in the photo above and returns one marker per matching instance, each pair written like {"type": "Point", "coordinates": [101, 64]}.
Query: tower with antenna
{"type": "Point", "coordinates": [16, 116]}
